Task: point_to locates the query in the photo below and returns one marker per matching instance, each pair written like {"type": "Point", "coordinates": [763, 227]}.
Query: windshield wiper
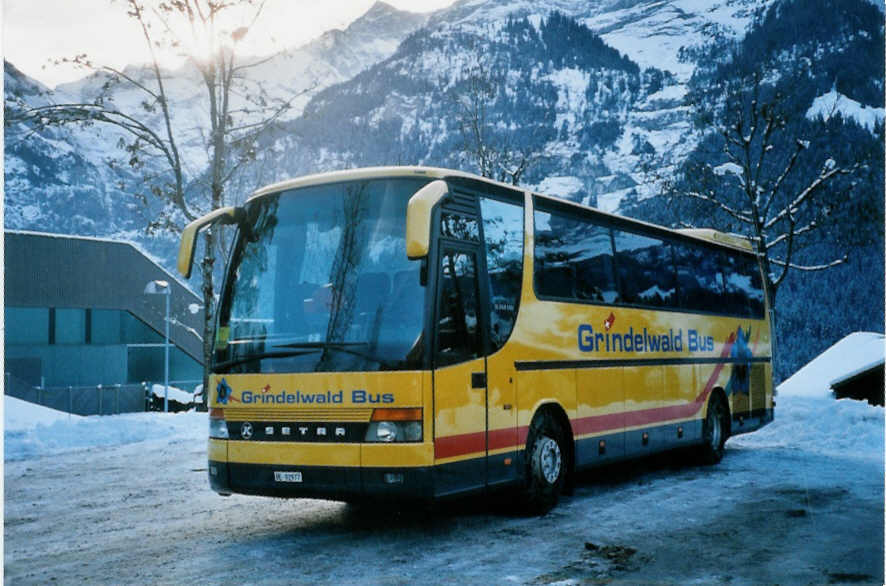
{"type": "Point", "coordinates": [262, 355]}
{"type": "Point", "coordinates": [301, 348]}
{"type": "Point", "coordinates": [344, 347]}
{"type": "Point", "coordinates": [320, 345]}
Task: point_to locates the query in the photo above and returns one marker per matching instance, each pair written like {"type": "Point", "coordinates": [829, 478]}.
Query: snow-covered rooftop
{"type": "Point", "coordinates": [853, 354]}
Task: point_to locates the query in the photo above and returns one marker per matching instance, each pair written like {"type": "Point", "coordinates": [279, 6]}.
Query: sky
{"type": "Point", "coordinates": [37, 32]}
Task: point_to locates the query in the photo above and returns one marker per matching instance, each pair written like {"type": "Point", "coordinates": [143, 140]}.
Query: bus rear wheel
{"type": "Point", "coordinates": [715, 430]}
{"type": "Point", "coordinates": [545, 464]}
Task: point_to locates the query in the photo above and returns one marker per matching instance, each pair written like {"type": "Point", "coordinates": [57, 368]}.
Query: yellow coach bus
{"type": "Point", "coordinates": [413, 332]}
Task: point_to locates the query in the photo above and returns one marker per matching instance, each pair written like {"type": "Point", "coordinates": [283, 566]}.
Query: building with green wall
{"type": "Point", "coordinates": [76, 314]}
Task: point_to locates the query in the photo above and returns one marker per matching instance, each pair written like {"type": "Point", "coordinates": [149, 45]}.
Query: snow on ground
{"type": "Point", "coordinates": [806, 415]}
{"type": "Point", "coordinates": [22, 415]}
{"type": "Point", "coordinates": [175, 394]}
{"type": "Point", "coordinates": [822, 426]}
{"type": "Point", "coordinates": [834, 102]}
{"type": "Point", "coordinates": [778, 509]}
{"type": "Point", "coordinates": [572, 85]}
{"type": "Point", "coordinates": [32, 431]}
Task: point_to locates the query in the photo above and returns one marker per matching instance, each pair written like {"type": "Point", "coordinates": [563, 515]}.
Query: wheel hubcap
{"type": "Point", "coordinates": [549, 459]}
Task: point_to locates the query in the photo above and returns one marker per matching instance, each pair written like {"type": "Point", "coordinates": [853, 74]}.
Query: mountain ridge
{"type": "Point", "coordinates": [598, 95]}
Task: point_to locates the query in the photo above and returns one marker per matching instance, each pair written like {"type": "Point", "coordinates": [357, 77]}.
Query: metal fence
{"type": "Point", "coordinates": [92, 400]}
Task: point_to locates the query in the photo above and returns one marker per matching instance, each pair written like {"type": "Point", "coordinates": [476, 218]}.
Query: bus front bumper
{"type": "Point", "coordinates": [327, 482]}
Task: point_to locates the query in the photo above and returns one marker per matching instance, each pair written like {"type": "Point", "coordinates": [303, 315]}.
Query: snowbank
{"type": "Point", "coordinates": [175, 394]}
{"type": "Point", "coordinates": [31, 430]}
{"type": "Point", "coordinates": [856, 352]}
{"type": "Point", "coordinates": [22, 415]}
{"type": "Point", "coordinates": [822, 425]}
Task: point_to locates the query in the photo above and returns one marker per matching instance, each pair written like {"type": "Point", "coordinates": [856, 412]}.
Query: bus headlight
{"type": "Point", "coordinates": [412, 431]}
{"type": "Point", "coordinates": [218, 427]}
{"type": "Point", "coordinates": [395, 426]}
{"type": "Point", "coordinates": [386, 431]}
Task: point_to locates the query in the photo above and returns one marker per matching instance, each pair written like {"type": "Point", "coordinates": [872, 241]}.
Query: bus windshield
{"type": "Point", "coordinates": [319, 281]}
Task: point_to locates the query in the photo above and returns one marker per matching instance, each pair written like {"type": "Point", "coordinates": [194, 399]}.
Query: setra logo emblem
{"type": "Point", "coordinates": [246, 430]}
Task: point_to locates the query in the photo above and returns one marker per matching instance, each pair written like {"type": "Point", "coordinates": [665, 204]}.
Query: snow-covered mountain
{"type": "Point", "coordinates": [336, 56]}
{"type": "Point", "coordinates": [597, 95]}
{"type": "Point", "coordinates": [55, 180]}
{"type": "Point", "coordinates": [71, 180]}
{"type": "Point", "coordinates": [593, 121]}
{"type": "Point", "coordinates": [652, 34]}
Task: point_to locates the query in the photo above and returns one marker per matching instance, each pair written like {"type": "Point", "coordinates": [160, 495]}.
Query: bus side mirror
{"type": "Point", "coordinates": [228, 215]}
{"type": "Point", "coordinates": [418, 218]}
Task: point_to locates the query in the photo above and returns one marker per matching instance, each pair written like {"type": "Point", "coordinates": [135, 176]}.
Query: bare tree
{"type": "Point", "coordinates": [238, 108]}
{"type": "Point", "coordinates": [490, 149]}
{"type": "Point", "coordinates": [759, 183]}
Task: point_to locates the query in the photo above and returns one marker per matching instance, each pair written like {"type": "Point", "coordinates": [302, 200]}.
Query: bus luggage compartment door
{"type": "Point", "coordinates": [460, 427]}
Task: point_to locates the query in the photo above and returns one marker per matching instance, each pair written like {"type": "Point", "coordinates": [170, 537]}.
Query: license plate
{"type": "Point", "coordinates": [287, 476]}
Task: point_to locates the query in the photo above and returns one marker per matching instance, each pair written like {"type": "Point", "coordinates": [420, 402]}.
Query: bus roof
{"type": "Point", "coordinates": [733, 241]}
{"type": "Point", "coordinates": [369, 173]}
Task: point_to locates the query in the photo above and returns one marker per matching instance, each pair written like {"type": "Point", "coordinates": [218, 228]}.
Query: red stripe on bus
{"type": "Point", "coordinates": [727, 348]}
{"type": "Point", "coordinates": [471, 443]}
{"type": "Point", "coordinates": [522, 435]}
{"type": "Point", "coordinates": [502, 438]}
{"type": "Point", "coordinates": [612, 421]}
{"type": "Point", "coordinates": [596, 423]}
{"type": "Point", "coordinates": [459, 445]}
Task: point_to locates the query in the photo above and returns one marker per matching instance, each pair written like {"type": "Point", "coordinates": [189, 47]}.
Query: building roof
{"type": "Point", "coordinates": [854, 354]}
{"type": "Point", "coordinates": [57, 270]}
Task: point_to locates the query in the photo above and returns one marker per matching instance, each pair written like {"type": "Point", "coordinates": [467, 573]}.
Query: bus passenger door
{"type": "Point", "coordinates": [459, 374]}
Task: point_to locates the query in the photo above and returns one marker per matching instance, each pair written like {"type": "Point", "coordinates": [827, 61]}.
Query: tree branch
{"type": "Point", "coordinates": [823, 177]}
{"type": "Point", "coordinates": [740, 216]}
{"type": "Point", "coordinates": [796, 232]}
{"type": "Point", "coordinates": [822, 267]}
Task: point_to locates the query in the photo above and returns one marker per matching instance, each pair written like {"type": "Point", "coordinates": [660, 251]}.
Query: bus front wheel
{"type": "Point", "coordinates": [715, 430]}
{"type": "Point", "coordinates": [546, 464]}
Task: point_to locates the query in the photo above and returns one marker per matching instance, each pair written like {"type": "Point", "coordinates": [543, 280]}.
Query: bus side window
{"type": "Point", "coordinates": [699, 278]}
{"type": "Point", "coordinates": [573, 259]}
{"type": "Point", "coordinates": [594, 267]}
{"type": "Point", "coordinates": [646, 270]}
{"type": "Point", "coordinates": [458, 337]}
{"type": "Point", "coordinates": [503, 232]}
{"type": "Point", "coordinates": [553, 275]}
{"type": "Point", "coordinates": [744, 286]}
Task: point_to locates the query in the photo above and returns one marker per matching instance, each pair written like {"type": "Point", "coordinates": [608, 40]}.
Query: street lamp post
{"type": "Point", "coordinates": [163, 288]}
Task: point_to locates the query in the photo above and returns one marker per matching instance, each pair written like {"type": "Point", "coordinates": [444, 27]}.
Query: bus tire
{"type": "Point", "coordinates": [545, 464]}
{"type": "Point", "coordinates": [715, 430]}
